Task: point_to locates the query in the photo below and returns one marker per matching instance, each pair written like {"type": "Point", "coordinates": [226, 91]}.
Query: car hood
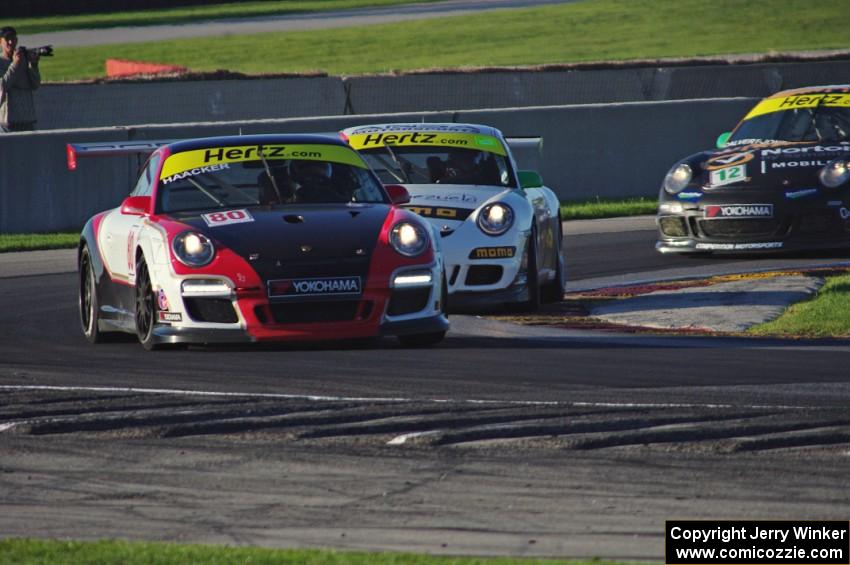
{"type": "Point", "coordinates": [307, 240]}
{"type": "Point", "coordinates": [767, 166]}
{"type": "Point", "coordinates": [449, 204]}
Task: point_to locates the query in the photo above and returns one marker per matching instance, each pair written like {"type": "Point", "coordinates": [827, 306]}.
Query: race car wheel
{"type": "Point", "coordinates": [89, 307]}
{"type": "Point", "coordinates": [145, 306]}
{"type": "Point", "coordinates": [553, 291]}
{"type": "Point", "coordinates": [532, 275]}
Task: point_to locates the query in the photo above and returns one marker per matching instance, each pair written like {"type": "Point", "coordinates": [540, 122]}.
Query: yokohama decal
{"type": "Point", "coordinates": [739, 211]}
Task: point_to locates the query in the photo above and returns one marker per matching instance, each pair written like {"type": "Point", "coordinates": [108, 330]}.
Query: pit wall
{"type": "Point", "coordinates": [589, 150]}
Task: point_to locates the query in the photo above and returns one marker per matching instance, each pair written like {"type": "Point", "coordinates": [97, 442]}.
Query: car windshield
{"type": "Point", "coordinates": [266, 181]}
{"type": "Point", "coordinates": [438, 165]}
{"type": "Point", "coordinates": [817, 123]}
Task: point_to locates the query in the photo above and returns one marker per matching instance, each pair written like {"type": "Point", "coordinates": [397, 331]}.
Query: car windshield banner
{"type": "Point", "coordinates": [215, 158]}
{"type": "Point", "coordinates": [797, 101]}
{"type": "Point", "coordinates": [479, 141]}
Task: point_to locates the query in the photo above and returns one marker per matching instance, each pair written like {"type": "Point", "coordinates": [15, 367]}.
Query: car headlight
{"type": "Point", "coordinates": [409, 239]}
{"type": "Point", "coordinates": [193, 249]}
{"type": "Point", "coordinates": [496, 218]}
{"type": "Point", "coordinates": [834, 174]}
{"type": "Point", "coordinates": [678, 178]}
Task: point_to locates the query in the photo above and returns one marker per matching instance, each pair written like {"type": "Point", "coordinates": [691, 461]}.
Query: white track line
{"type": "Point", "coordinates": [390, 399]}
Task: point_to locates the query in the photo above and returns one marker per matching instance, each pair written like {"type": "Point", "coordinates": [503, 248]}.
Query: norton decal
{"type": "Point", "coordinates": [482, 142]}
{"type": "Point", "coordinates": [739, 211]}
{"type": "Point", "coordinates": [492, 253]}
{"type": "Point", "coordinates": [729, 175]}
{"type": "Point", "coordinates": [727, 160]}
{"type": "Point", "coordinates": [170, 317]}
{"type": "Point", "coordinates": [458, 214]}
{"type": "Point", "coordinates": [215, 219]}
{"type": "Point", "coordinates": [799, 101]}
{"type": "Point", "coordinates": [198, 158]}
{"type": "Point", "coordinates": [816, 152]}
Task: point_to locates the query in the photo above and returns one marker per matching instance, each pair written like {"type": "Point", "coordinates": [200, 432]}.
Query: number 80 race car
{"type": "Point", "coordinates": [258, 238]}
{"type": "Point", "coordinates": [500, 228]}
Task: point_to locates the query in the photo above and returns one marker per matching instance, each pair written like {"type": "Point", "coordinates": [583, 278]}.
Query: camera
{"type": "Point", "coordinates": [43, 51]}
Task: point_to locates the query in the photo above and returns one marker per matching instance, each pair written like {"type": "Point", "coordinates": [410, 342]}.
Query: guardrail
{"type": "Point", "coordinates": [592, 150]}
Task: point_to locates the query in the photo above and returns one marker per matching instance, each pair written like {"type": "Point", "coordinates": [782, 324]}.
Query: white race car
{"type": "Point", "coordinates": [500, 227]}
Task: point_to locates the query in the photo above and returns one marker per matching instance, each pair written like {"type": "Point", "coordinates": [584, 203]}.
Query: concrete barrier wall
{"type": "Point", "coordinates": [62, 106]}
{"type": "Point", "coordinates": [595, 150]}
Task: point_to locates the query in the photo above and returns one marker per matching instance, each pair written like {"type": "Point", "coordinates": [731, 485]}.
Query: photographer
{"type": "Point", "coordinates": [19, 76]}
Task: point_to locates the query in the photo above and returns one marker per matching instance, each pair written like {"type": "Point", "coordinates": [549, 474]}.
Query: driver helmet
{"type": "Point", "coordinates": [307, 172]}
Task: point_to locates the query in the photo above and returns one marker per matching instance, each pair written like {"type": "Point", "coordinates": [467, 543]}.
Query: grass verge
{"type": "Point", "coordinates": [105, 552]}
{"type": "Point", "coordinates": [607, 208]}
{"type": "Point", "coordinates": [824, 315]}
{"type": "Point", "coordinates": [35, 241]}
{"type": "Point", "coordinates": [193, 14]}
{"type": "Point", "coordinates": [563, 33]}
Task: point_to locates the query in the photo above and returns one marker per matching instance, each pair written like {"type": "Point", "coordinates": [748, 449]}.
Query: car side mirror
{"type": "Point", "coordinates": [398, 194]}
{"type": "Point", "coordinates": [136, 205]}
{"type": "Point", "coordinates": [723, 138]}
{"type": "Point", "coordinates": [529, 179]}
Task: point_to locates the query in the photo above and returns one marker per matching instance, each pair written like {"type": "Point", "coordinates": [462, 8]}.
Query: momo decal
{"type": "Point", "coordinates": [492, 253]}
{"type": "Point", "coordinates": [727, 160]}
{"type": "Point", "coordinates": [216, 219]}
{"type": "Point", "coordinates": [459, 214]}
{"type": "Point", "coordinates": [315, 286]}
{"type": "Point", "coordinates": [483, 142]}
{"type": "Point", "coordinates": [729, 175]}
{"type": "Point", "coordinates": [188, 160]}
{"type": "Point", "coordinates": [739, 211]}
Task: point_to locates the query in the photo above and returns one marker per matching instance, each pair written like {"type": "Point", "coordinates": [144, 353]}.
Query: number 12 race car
{"type": "Point", "coordinates": [258, 238]}
{"type": "Point", "coordinates": [779, 180]}
{"type": "Point", "coordinates": [500, 228]}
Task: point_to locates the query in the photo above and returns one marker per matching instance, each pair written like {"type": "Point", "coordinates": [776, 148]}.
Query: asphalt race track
{"type": "Point", "coordinates": [502, 440]}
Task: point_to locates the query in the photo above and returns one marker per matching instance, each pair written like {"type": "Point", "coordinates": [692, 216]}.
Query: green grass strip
{"type": "Point", "coordinates": [34, 241]}
{"type": "Point", "coordinates": [607, 208]}
{"type": "Point", "coordinates": [193, 14]}
{"type": "Point", "coordinates": [601, 30]}
{"type": "Point", "coordinates": [824, 315]}
{"type": "Point", "coordinates": [108, 552]}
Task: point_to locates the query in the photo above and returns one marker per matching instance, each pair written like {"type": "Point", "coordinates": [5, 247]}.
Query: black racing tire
{"type": "Point", "coordinates": [89, 306]}
{"type": "Point", "coordinates": [421, 340]}
{"type": "Point", "coordinates": [553, 291]}
{"type": "Point", "coordinates": [145, 310]}
{"type": "Point", "coordinates": [532, 304]}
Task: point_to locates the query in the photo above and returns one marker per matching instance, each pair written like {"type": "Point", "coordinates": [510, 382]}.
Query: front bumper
{"type": "Point", "coordinates": [819, 223]}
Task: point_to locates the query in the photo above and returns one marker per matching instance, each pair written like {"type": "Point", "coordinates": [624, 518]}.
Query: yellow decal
{"type": "Point", "coordinates": [431, 212]}
{"type": "Point", "coordinates": [481, 142]}
{"type": "Point", "coordinates": [799, 101]}
{"type": "Point", "coordinates": [213, 157]}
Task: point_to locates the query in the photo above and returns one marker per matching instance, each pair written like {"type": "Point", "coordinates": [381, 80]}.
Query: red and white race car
{"type": "Point", "coordinates": [258, 238]}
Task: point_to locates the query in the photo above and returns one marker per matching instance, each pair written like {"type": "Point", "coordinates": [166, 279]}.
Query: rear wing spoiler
{"type": "Point", "coordinates": [110, 149]}
{"type": "Point", "coordinates": [527, 150]}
